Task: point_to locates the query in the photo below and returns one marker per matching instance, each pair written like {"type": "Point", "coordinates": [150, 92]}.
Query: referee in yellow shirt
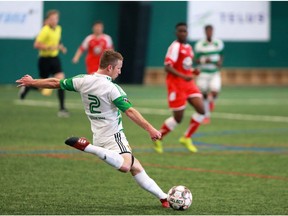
{"type": "Point", "coordinates": [48, 42]}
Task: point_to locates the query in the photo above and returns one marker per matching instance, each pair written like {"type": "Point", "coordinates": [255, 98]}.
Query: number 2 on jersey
{"type": "Point", "coordinates": [94, 104]}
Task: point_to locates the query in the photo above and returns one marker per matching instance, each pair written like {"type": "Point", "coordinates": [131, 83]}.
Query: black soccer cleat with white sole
{"type": "Point", "coordinates": [79, 143]}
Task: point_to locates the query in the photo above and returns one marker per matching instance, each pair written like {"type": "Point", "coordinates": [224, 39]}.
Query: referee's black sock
{"type": "Point", "coordinates": [24, 91]}
{"type": "Point", "coordinates": [61, 96]}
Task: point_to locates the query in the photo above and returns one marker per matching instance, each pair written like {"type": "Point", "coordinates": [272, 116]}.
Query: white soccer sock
{"type": "Point", "coordinates": [111, 157]}
{"type": "Point", "coordinates": [198, 117]}
{"type": "Point", "coordinates": [207, 108]}
{"type": "Point", "coordinates": [149, 184]}
{"type": "Point", "coordinates": [171, 123]}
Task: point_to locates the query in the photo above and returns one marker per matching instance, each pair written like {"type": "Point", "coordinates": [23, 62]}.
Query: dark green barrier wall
{"type": "Point", "coordinates": [17, 57]}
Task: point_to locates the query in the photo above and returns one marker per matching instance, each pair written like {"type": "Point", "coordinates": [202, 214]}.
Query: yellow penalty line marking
{"type": "Point", "coordinates": [153, 111]}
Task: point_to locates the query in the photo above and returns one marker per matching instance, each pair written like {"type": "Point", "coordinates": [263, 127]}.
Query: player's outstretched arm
{"type": "Point", "coordinates": [77, 56]}
{"type": "Point", "coordinates": [27, 80]}
{"type": "Point", "coordinates": [136, 117]}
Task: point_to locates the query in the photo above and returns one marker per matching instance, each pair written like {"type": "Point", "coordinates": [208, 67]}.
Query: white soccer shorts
{"type": "Point", "coordinates": [208, 82]}
{"type": "Point", "coordinates": [117, 142]}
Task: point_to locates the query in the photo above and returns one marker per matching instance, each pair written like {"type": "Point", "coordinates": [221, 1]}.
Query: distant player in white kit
{"type": "Point", "coordinates": [103, 100]}
{"type": "Point", "coordinates": [209, 56]}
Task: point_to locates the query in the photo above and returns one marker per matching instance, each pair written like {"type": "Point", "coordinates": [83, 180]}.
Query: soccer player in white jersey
{"type": "Point", "coordinates": [103, 100]}
{"type": "Point", "coordinates": [209, 56]}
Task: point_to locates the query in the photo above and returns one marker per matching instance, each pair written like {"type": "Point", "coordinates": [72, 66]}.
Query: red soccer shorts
{"type": "Point", "coordinates": [178, 93]}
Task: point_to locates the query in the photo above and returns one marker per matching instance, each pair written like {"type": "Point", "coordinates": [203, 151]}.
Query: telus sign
{"type": "Point", "coordinates": [232, 21]}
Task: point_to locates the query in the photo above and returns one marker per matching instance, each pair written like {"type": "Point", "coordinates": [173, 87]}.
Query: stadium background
{"type": "Point", "coordinates": [245, 62]}
{"type": "Point", "coordinates": [241, 166]}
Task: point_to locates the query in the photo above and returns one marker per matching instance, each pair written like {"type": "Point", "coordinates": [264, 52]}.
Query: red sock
{"type": "Point", "coordinates": [164, 130]}
{"type": "Point", "coordinates": [192, 128]}
{"type": "Point", "coordinates": [211, 106]}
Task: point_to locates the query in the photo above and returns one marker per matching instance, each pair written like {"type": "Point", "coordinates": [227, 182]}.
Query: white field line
{"type": "Point", "coordinates": [232, 116]}
{"type": "Point", "coordinates": [222, 102]}
{"type": "Point", "coordinates": [252, 101]}
{"type": "Point", "coordinates": [232, 102]}
{"type": "Point", "coordinates": [39, 103]}
{"type": "Point", "coordinates": [247, 117]}
{"type": "Point", "coordinates": [153, 111]}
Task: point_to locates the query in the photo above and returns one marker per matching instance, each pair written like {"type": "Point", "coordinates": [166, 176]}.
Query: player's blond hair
{"type": "Point", "coordinates": [110, 57]}
{"type": "Point", "coordinates": [51, 12]}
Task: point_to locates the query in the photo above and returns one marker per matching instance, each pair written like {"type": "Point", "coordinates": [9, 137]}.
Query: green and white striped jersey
{"type": "Point", "coordinates": [209, 50]}
{"type": "Point", "coordinates": [102, 100]}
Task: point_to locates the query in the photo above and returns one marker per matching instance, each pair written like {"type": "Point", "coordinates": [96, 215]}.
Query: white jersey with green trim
{"type": "Point", "coordinates": [209, 50]}
{"type": "Point", "coordinates": [102, 100]}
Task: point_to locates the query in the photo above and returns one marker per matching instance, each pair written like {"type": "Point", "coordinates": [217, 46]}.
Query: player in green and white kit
{"type": "Point", "coordinates": [103, 100]}
{"type": "Point", "coordinates": [97, 93]}
{"type": "Point", "coordinates": [209, 56]}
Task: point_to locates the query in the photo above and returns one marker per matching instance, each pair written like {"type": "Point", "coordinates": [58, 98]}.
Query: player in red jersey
{"type": "Point", "coordinates": [181, 88]}
{"type": "Point", "coordinates": [95, 44]}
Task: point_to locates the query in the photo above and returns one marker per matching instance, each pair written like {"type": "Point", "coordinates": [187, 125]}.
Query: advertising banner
{"type": "Point", "coordinates": [232, 21]}
{"type": "Point", "coordinates": [20, 20]}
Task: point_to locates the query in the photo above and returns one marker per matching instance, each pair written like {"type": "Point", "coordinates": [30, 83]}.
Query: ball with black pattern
{"type": "Point", "coordinates": [179, 197]}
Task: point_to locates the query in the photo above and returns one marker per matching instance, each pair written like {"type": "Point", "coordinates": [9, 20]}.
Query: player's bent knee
{"type": "Point", "coordinates": [136, 168]}
{"type": "Point", "coordinates": [201, 112]}
{"type": "Point", "coordinates": [178, 118]}
{"type": "Point", "coordinates": [205, 95]}
{"type": "Point", "coordinates": [128, 162]}
{"type": "Point", "coordinates": [125, 168]}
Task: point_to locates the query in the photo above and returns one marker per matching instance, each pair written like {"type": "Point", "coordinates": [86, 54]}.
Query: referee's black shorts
{"type": "Point", "coordinates": [49, 66]}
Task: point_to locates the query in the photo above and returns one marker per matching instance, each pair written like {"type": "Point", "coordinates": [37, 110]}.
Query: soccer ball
{"type": "Point", "coordinates": [179, 197]}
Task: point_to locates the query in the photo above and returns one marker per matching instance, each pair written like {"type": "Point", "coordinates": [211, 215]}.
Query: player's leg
{"type": "Point", "coordinates": [42, 68]}
{"type": "Point", "coordinates": [111, 157]}
{"type": "Point", "coordinates": [177, 102]}
{"type": "Point", "coordinates": [195, 122]}
{"type": "Point", "coordinates": [113, 150]}
{"type": "Point", "coordinates": [56, 71]}
{"type": "Point", "coordinates": [23, 91]}
{"type": "Point", "coordinates": [197, 117]}
{"type": "Point", "coordinates": [168, 126]}
{"type": "Point", "coordinates": [44, 72]}
{"type": "Point", "coordinates": [148, 183]}
{"type": "Point", "coordinates": [215, 87]}
{"type": "Point", "coordinates": [171, 123]}
{"type": "Point", "coordinates": [194, 97]}
{"type": "Point", "coordinates": [203, 82]}
{"type": "Point", "coordinates": [61, 93]}
{"type": "Point", "coordinates": [206, 102]}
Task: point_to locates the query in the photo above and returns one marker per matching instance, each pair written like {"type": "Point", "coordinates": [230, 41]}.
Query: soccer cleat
{"type": "Point", "coordinates": [78, 143]}
{"type": "Point", "coordinates": [165, 203]}
{"type": "Point", "coordinates": [158, 146]}
{"type": "Point", "coordinates": [46, 92]}
{"type": "Point", "coordinates": [63, 113]}
{"type": "Point", "coordinates": [187, 142]}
